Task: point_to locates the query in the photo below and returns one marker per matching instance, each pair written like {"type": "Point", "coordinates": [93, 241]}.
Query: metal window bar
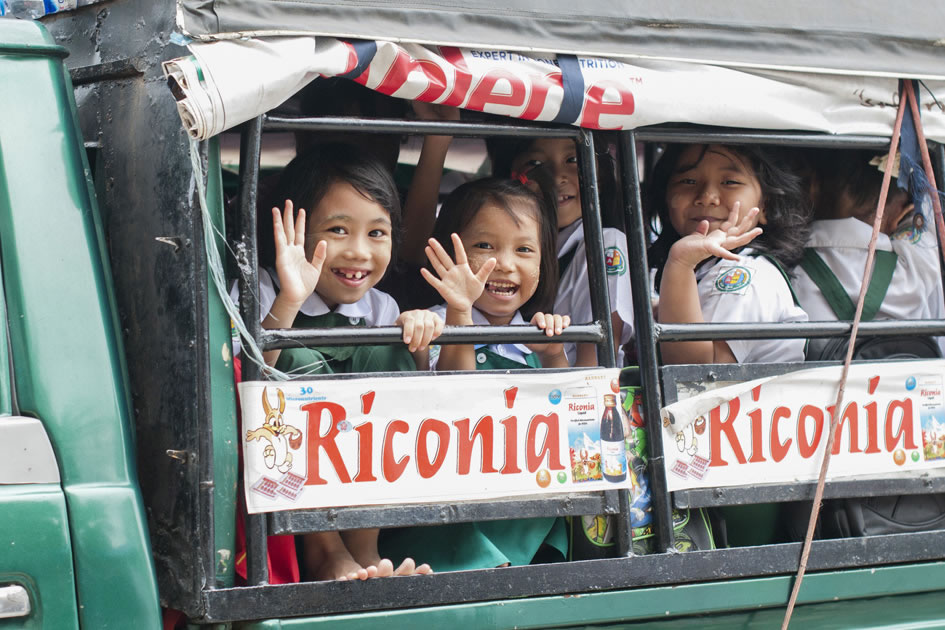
{"type": "Point", "coordinates": [599, 332]}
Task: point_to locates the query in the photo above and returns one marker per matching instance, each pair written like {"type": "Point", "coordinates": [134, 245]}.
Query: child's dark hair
{"type": "Point", "coordinates": [786, 204]}
{"type": "Point", "coordinates": [462, 205]}
{"type": "Point", "coordinates": [309, 177]}
{"type": "Point", "coordinates": [846, 179]}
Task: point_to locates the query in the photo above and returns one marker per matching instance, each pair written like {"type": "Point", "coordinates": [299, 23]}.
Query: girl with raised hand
{"type": "Point", "coordinates": [712, 202]}
{"type": "Point", "coordinates": [327, 263]}
{"type": "Point", "coordinates": [493, 262]}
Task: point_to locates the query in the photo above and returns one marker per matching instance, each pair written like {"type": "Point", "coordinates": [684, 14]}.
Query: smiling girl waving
{"type": "Point", "coordinates": [712, 201]}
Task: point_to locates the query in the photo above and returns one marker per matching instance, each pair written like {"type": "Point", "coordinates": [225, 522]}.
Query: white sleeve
{"type": "Point", "coordinates": [752, 290]}
{"type": "Point", "coordinates": [384, 309]}
{"type": "Point", "coordinates": [267, 294]}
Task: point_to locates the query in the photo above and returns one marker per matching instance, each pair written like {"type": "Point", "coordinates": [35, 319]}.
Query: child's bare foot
{"type": "Point", "coordinates": [341, 567]}
{"type": "Point", "coordinates": [327, 558]}
{"type": "Point", "coordinates": [385, 568]}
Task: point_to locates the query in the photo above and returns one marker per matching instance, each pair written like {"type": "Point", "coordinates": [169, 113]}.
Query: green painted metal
{"type": "Point", "coordinates": [223, 396]}
{"type": "Point", "coordinates": [884, 597]}
{"type": "Point", "coordinates": [36, 553]}
{"type": "Point", "coordinates": [6, 398]}
{"type": "Point", "coordinates": [67, 355]}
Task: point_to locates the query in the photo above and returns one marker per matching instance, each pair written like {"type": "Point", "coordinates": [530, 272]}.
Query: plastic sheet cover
{"type": "Point", "coordinates": [857, 37]}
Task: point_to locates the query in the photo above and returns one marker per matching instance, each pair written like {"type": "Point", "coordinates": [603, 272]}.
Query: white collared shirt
{"type": "Point", "coordinates": [375, 307]}
{"type": "Point", "coordinates": [574, 289]}
{"type": "Point", "coordinates": [751, 289]}
{"type": "Point", "coordinates": [915, 291]}
{"type": "Point", "coordinates": [514, 351]}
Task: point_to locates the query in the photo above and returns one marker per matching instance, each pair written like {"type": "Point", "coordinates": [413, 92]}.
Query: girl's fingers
{"type": "Point", "coordinates": [432, 280]}
{"type": "Point", "coordinates": [747, 220]}
{"type": "Point", "coordinates": [721, 252]}
{"type": "Point", "coordinates": [702, 228]}
{"type": "Point", "coordinates": [319, 255]}
{"type": "Point", "coordinates": [459, 249]}
{"type": "Point", "coordinates": [559, 324]}
{"type": "Point", "coordinates": [483, 274]}
{"type": "Point", "coordinates": [441, 255]}
{"type": "Point", "coordinates": [278, 230]}
{"type": "Point", "coordinates": [300, 228]}
{"type": "Point", "coordinates": [438, 324]}
{"type": "Point", "coordinates": [435, 261]}
{"type": "Point", "coordinates": [287, 222]}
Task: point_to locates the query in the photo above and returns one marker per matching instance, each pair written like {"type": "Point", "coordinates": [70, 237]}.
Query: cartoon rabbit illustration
{"type": "Point", "coordinates": [281, 436]}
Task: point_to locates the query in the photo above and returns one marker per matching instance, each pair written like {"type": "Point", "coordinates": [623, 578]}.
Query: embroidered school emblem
{"type": "Point", "coordinates": [733, 279]}
{"type": "Point", "coordinates": [615, 261]}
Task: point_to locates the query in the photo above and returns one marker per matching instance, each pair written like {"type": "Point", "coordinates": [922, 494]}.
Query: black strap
{"type": "Point", "coordinates": [564, 261]}
{"type": "Point", "coordinates": [837, 297]}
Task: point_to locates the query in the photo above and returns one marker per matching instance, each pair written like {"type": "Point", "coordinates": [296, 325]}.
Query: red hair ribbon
{"type": "Point", "coordinates": [522, 177]}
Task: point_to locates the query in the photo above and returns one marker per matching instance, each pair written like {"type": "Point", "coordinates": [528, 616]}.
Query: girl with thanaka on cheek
{"type": "Point", "coordinates": [327, 263]}
{"type": "Point", "coordinates": [493, 262]}
{"type": "Point", "coordinates": [712, 202]}
{"type": "Point", "coordinates": [514, 157]}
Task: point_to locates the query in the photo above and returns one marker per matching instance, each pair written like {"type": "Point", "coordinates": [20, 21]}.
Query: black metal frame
{"type": "Point", "coordinates": [261, 600]}
{"type": "Point", "coordinates": [599, 332]}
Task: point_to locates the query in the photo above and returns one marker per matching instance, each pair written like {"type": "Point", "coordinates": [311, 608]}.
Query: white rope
{"type": "Point", "coordinates": [248, 347]}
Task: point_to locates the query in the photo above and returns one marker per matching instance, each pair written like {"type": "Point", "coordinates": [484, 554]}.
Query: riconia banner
{"type": "Point", "coordinates": [413, 439]}
{"type": "Point", "coordinates": [775, 429]}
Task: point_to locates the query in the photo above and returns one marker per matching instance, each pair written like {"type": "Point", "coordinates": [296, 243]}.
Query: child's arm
{"type": "Point", "coordinates": [679, 292]}
{"type": "Point", "coordinates": [460, 288]}
{"type": "Point", "coordinates": [551, 354]}
{"type": "Point", "coordinates": [297, 275]}
{"type": "Point", "coordinates": [424, 191]}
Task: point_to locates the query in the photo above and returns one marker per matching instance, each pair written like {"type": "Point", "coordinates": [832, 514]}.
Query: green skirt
{"type": "Point", "coordinates": [482, 545]}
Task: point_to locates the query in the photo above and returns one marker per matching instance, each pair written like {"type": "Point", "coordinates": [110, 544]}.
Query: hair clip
{"type": "Point", "coordinates": [521, 177]}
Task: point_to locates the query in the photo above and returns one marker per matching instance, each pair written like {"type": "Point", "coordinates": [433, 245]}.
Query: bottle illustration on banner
{"type": "Point", "coordinates": [613, 452]}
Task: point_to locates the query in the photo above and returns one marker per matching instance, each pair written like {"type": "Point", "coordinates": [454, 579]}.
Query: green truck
{"type": "Point", "coordinates": [119, 478]}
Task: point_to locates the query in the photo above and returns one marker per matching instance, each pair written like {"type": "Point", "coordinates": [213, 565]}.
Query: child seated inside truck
{"type": "Point", "coordinates": [712, 202]}
{"type": "Point", "coordinates": [715, 263]}
{"type": "Point", "coordinates": [907, 262]}
{"type": "Point", "coordinates": [492, 260]}
{"type": "Point", "coordinates": [327, 262]}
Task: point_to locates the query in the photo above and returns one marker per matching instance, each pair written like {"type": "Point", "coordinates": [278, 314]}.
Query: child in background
{"type": "Point", "coordinates": [845, 206]}
{"type": "Point", "coordinates": [710, 200]}
{"type": "Point", "coordinates": [493, 258]}
{"type": "Point", "coordinates": [327, 264]}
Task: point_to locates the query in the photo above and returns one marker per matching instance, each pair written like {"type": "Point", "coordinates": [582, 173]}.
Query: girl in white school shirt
{"type": "Point", "coordinates": [734, 221]}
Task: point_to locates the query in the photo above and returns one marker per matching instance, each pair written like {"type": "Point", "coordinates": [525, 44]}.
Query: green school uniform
{"type": "Point", "coordinates": [342, 359]}
{"type": "Point", "coordinates": [482, 545]}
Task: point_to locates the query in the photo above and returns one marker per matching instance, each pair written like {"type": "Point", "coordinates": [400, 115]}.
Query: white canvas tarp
{"type": "Point", "coordinates": [227, 82]}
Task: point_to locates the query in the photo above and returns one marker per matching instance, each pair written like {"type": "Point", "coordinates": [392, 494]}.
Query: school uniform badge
{"type": "Point", "coordinates": [615, 261]}
{"type": "Point", "coordinates": [733, 279]}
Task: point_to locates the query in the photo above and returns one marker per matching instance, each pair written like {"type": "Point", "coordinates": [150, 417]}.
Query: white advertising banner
{"type": "Point", "coordinates": [414, 439]}
{"type": "Point", "coordinates": [225, 83]}
{"type": "Point", "coordinates": [775, 429]}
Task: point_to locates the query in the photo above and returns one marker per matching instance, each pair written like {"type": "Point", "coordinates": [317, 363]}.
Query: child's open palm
{"type": "Point", "coordinates": [298, 276]}
{"type": "Point", "coordinates": [457, 284]}
{"type": "Point", "coordinates": [730, 234]}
